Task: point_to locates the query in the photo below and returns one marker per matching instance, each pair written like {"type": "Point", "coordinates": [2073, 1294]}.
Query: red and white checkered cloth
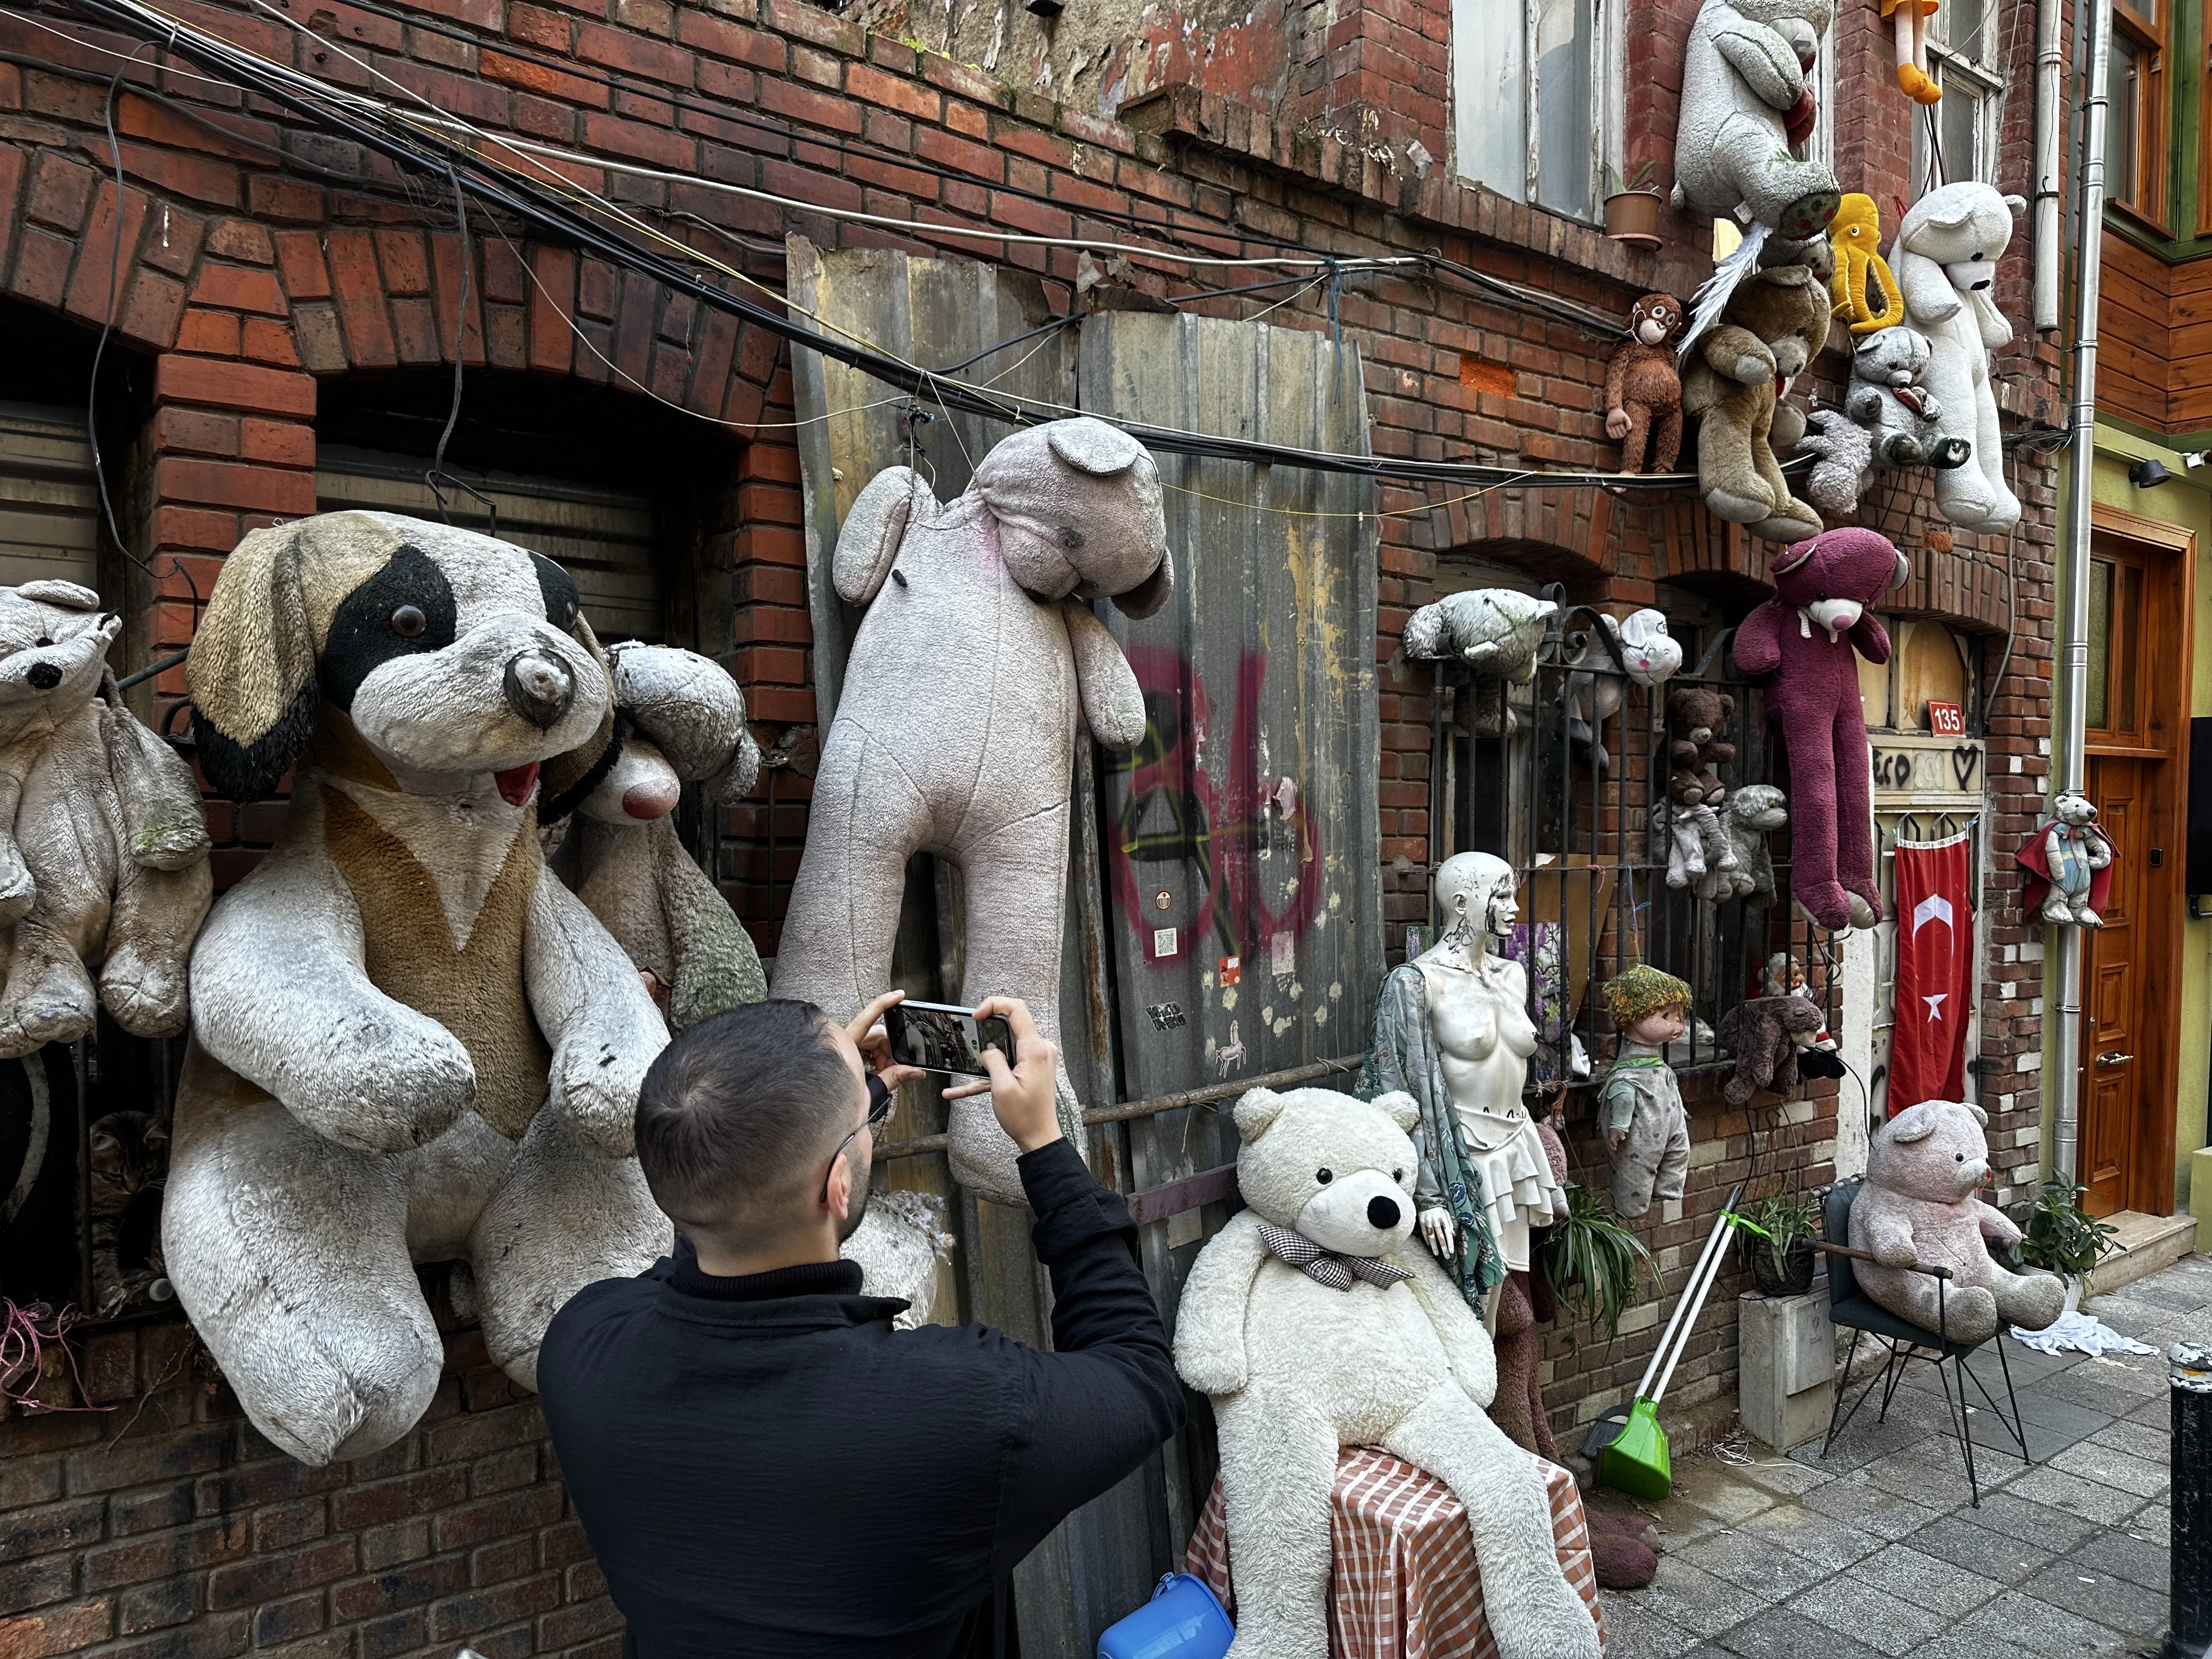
{"type": "Point", "coordinates": [1405, 1585]}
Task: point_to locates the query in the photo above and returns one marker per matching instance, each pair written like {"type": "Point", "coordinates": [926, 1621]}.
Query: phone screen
{"type": "Point", "coordinates": [938, 1037]}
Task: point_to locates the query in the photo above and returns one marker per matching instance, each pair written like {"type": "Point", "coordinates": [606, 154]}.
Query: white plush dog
{"type": "Point", "coordinates": [955, 730]}
{"type": "Point", "coordinates": [1945, 263]}
{"type": "Point", "coordinates": [412, 1043]}
{"type": "Point", "coordinates": [1367, 1343]}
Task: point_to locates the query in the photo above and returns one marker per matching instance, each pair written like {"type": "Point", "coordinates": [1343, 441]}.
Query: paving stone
{"type": "Point", "coordinates": [2078, 1421]}
{"type": "Point", "coordinates": [2018, 1624]}
{"type": "Point", "coordinates": [1786, 1477]}
{"type": "Point", "coordinates": [1698, 1600]}
{"type": "Point", "coordinates": [2137, 1439]}
{"type": "Point", "coordinates": [2096, 1391]}
{"type": "Point", "coordinates": [1713, 1487]}
{"type": "Point", "coordinates": [1933, 1473]}
{"type": "Point", "coordinates": [2076, 1494]}
{"type": "Point", "coordinates": [1926, 1581]}
{"type": "Point", "coordinates": [1633, 1631]}
{"type": "Point", "coordinates": [1785, 1634]}
{"type": "Point", "coordinates": [1857, 1501]}
{"type": "Point", "coordinates": [1827, 1542]}
{"type": "Point", "coordinates": [1872, 1615]}
{"type": "Point", "coordinates": [1980, 1550]}
{"type": "Point", "coordinates": [1754, 1563]}
{"type": "Point", "coordinates": [2053, 1531]}
{"type": "Point", "coordinates": [2109, 1467]}
{"type": "Point", "coordinates": [2131, 1553]}
{"type": "Point", "coordinates": [2112, 1602]}
{"type": "Point", "coordinates": [1865, 1440]}
{"type": "Point", "coordinates": [2153, 1521]}
{"type": "Point", "coordinates": [2160, 1412]}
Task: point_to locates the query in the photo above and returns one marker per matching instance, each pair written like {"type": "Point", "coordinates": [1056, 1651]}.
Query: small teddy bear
{"type": "Point", "coordinates": [1888, 395]}
{"type": "Point", "coordinates": [1313, 1326]}
{"type": "Point", "coordinates": [1648, 655]}
{"type": "Point", "coordinates": [1744, 88]}
{"type": "Point", "coordinates": [1495, 631]}
{"type": "Point", "coordinates": [1643, 388]}
{"type": "Point", "coordinates": [1806, 643]}
{"type": "Point", "coordinates": [1772, 323]}
{"type": "Point", "coordinates": [1766, 1034]}
{"type": "Point", "coordinates": [1697, 845]}
{"type": "Point", "coordinates": [2074, 858]}
{"type": "Point", "coordinates": [1751, 813]}
{"type": "Point", "coordinates": [1647, 1133]}
{"type": "Point", "coordinates": [1696, 717]}
{"type": "Point", "coordinates": [1920, 1205]}
{"type": "Point", "coordinates": [1843, 461]}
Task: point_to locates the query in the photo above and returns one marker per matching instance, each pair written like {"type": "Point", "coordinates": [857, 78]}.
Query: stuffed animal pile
{"type": "Point", "coordinates": [1772, 323]}
{"type": "Point", "coordinates": [1921, 1204]}
{"type": "Point", "coordinates": [103, 846]}
{"type": "Point", "coordinates": [1315, 1320]}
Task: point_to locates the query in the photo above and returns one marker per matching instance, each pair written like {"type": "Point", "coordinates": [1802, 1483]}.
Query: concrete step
{"type": "Point", "coordinates": [2147, 1243]}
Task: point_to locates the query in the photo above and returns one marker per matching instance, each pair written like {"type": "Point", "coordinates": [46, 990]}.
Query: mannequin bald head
{"type": "Point", "coordinates": [1477, 888]}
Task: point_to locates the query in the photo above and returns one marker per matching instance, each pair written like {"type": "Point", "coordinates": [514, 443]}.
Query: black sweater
{"type": "Point", "coordinates": [764, 1466]}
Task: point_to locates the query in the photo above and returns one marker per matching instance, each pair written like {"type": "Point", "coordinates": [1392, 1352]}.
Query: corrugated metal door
{"type": "Point", "coordinates": [602, 537]}
{"type": "Point", "coordinates": [49, 502]}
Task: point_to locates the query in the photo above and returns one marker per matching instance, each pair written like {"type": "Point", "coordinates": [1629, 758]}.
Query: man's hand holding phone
{"type": "Point", "coordinates": [874, 1040]}
{"type": "Point", "coordinates": [1022, 1094]}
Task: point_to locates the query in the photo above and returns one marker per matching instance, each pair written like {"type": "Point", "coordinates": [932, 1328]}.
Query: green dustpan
{"type": "Point", "coordinates": [1635, 1460]}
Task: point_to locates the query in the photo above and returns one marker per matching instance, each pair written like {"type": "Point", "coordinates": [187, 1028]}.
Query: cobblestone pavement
{"type": "Point", "coordinates": [1875, 1551]}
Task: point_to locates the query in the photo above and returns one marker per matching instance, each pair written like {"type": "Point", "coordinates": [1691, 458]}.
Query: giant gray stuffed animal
{"type": "Point", "coordinates": [956, 728]}
{"type": "Point", "coordinates": [410, 1042]}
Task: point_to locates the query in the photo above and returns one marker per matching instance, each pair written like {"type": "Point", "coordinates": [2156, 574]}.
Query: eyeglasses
{"type": "Point", "coordinates": [881, 1100]}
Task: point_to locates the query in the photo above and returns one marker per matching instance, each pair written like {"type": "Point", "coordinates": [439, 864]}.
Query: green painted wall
{"type": "Point", "coordinates": [2186, 501]}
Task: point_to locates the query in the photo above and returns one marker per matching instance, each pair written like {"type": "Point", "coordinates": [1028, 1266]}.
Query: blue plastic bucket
{"type": "Point", "coordinates": [1181, 1621]}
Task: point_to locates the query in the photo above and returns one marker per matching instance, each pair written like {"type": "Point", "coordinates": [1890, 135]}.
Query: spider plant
{"type": "Point", "coordinates": [1635, 182]}
{"type": "Point", "coordinates": [1775, 1223]}
{"type": "Point", "coordinates": [1596, 1264]}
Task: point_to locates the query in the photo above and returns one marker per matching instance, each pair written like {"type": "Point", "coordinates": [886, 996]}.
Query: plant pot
{"type": "Point", "coordinates": [2073, 1290]}
{"type": "Point", "coordinates": [1632, 217]}
{"type": "Point", "coordinates": [1796, 1275]}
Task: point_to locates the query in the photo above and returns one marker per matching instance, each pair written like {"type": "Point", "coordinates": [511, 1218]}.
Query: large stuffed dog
{"type": "Point", "coordinates": [411, 1043]}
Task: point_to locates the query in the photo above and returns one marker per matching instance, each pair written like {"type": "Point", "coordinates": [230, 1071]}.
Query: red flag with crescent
{"type": "Point", "coordinates": [1935, 972]}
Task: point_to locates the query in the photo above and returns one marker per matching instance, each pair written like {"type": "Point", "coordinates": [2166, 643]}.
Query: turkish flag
{"type": "Point", "coordinates": [1935, 972]}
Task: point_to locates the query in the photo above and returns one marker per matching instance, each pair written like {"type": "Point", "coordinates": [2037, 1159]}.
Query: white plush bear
{"type": "Point", "coordinates": [1744, 86]}
{"type": "Point", "coordinates": [1945, 263]}
{"type": "Point", "coordinates": [1313, 1327]}
{"type": "Point", "coordinates": [1495, 631]}
{"type": "Point", "coordinates": [1890, 398]}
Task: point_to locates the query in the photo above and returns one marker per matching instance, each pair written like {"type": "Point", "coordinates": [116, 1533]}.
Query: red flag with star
{"type": "Point", "coordinates": [1935, 972]}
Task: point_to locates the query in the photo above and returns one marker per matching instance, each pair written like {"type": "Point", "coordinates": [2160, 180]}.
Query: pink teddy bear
{"type": "Point", "coordinates": [1804, 637]}
{"type": "Point", "coordinates": [1921, 1204]}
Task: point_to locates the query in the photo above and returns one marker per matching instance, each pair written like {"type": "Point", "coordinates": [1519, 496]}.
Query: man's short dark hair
{"type": "Point", "coordinates": [736, 1114]}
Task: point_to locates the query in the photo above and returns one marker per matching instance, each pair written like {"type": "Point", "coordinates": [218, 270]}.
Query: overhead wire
{"type": "Point", "coordinates": [565, 212]}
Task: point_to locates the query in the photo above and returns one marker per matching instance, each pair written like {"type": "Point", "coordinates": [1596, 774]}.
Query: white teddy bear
{"type": "Point", "coordinates": [1745, 85]}
{"type": "Point", "coordinates": [1495, 631]}
{"type": "Point", "coordinates": [1313, 1327]}
{"type": "Point", "coordinates": [1946, 261]}
{"type": "Point", "coordinates": [1889, 397]}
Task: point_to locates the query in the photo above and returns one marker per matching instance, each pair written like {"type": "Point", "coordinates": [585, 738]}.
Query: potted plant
{"type": "Point", "coordinates": [2060, 1237]}
{"type": "Point", "coordinates": [1632, 211]}
{"type": "Point", "coordinates": [1774, 1239]}
{"type": "Point", "coordinates": [1595, 1265]}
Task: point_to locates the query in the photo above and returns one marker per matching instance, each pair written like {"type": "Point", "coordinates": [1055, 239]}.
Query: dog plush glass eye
{"type": "Point", "coordinates": [409, 622]}
{"type": "Point", "coordinates": [1397, 1175]}
{"type": "Point", "coordinates": [1324, 1176]}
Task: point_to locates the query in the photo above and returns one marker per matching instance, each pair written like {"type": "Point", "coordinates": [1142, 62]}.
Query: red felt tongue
{"type": "Point", "coordinates": [516, 782]}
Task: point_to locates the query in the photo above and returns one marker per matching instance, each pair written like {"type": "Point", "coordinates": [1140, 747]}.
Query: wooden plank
{"type": "Point", "coordinates": [1192, 1192]}
{"type": "Point", "coordinates": [2130, 399]}
{"type": "Point", "coordinates": [2190, 277]}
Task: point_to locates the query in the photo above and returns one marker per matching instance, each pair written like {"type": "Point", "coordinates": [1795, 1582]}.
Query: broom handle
{"type": "Point", "coordinates": [1713, 1247]}
{"type": "Point", "coordinates": [1697, 1307]}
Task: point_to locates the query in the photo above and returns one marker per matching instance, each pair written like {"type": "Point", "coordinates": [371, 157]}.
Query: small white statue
{"type": "Point", "coordinates": [1453, 1030]}
{"type": "Point", "coordinates": [2073, 851]}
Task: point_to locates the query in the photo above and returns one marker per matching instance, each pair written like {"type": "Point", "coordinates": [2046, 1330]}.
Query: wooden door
{"type": "Point", "coordinates": [2115, 960]}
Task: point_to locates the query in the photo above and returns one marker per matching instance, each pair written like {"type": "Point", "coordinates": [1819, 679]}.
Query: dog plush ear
{"type": "Point", "coordinates": [1150, 594]}
{"type": "Point", "coordinates": [1400, 1108]}
{"type": "Point", "coordinates": [1255, 1110]}
{"type": "Point", "coordinates": [251, 666]}
{"type": "Point", "coordinates": [875, 526]}
{"type": "Point", "coordinates": [67, 595]}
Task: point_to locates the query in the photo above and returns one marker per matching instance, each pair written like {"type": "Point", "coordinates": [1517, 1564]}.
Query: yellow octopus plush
{"type": "Point", "coordinates": [1860, 274]}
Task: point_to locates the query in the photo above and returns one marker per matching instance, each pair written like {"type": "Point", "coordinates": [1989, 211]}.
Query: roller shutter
{"type": "Point", "coordinates": [49, 503]}
{"type": "Point", "coordinates": [603, 537]}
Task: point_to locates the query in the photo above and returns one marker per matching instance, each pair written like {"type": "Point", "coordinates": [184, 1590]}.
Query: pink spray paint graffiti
{"type": "Point", "coordinates": [1252, 845]}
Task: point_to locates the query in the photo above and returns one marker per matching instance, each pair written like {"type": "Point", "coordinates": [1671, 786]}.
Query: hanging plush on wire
{"type": "Point", "coordinates": [2069, 864]}
{"type": "Point", "coordinates": [1746, 91]}
{"type": "Point", "coordinates": [1644, 389]}
{"type": "Point", "coordinates": [1861, 275]}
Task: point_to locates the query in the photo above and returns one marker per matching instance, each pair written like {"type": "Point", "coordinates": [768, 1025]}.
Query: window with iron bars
{"type": "Point", "coordinates": [1565, 778]}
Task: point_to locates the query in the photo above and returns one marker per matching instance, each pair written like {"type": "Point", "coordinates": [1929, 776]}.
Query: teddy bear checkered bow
{"type": "Point", "coordinates": [1327, 1266]}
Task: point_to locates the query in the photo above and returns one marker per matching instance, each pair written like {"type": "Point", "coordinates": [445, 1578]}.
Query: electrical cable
{"type": "Point", "coordinates": [107, 317]}
{"type": "Point", "coordinates": [429, 152]}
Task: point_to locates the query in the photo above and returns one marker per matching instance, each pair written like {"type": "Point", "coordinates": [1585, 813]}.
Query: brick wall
{"type": "Point", "coordinates": [262, 262]}
{"type": "Point", "coordinates": [161, 1526]}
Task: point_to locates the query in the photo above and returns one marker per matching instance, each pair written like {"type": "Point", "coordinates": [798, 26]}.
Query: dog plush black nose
{"type": "Point", "coordinates": [540, 689]}
{"type": "Point", "coordinates": [1382, 1212]}
{"type": "Point", "coordinates": [44, 676]}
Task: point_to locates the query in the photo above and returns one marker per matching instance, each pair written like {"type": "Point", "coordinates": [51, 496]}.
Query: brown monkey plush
{"type": "Point", "coordinates": [1766, 1033]}
{"type": "Point", "coordinates": [1642, 392]}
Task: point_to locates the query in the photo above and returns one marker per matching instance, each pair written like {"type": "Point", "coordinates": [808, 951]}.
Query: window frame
{"type": "Point", "coordinates": [1978, 73]}
{"type": "Point", "coordinates": [1607, 76]}
{"type": "Point", "coordinates": [2147, 204]}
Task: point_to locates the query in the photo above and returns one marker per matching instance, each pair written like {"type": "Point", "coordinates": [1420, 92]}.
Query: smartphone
{"type": "Point", "coordinates": [938, 1037]}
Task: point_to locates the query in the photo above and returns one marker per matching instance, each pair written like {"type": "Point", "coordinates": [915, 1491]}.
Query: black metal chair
{"type": "Point", "coordinates": [1850, 1307]}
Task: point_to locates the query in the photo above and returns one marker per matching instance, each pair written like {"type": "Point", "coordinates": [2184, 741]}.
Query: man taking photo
{"type": "Point", "coordinates": [764, 1466]}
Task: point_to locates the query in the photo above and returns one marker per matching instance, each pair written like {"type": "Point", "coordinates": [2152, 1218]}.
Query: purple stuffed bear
{"type": "Point", "coordinates": [1920, 1205]}
{"type": "Point", "coordinates": [1804, 637]}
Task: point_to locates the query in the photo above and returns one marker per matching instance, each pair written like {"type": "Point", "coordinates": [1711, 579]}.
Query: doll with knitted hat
{"type": "Point", "coordinates": [1647, 1132]}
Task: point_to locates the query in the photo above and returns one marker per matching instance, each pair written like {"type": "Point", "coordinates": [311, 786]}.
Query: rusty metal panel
{"type": "Point", "coordinates": [1242, 842]}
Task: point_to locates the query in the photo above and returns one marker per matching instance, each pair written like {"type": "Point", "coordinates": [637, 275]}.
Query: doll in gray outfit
{"type": "Point", "coordinates": [1647, 1132]}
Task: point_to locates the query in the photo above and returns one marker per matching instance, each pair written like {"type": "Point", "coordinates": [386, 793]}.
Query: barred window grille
{"type": "Point", "coordinates": [1515, 772]}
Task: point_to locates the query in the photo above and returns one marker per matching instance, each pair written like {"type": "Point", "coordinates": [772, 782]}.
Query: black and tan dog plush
{"type": "Point", "coordinates": [411, 1041]}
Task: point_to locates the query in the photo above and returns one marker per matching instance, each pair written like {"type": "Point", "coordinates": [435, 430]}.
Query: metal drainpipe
{"type": "Point", "coordinates": [2050, 123]}
{"type": "Point", "coordinates": [2067, 742]}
